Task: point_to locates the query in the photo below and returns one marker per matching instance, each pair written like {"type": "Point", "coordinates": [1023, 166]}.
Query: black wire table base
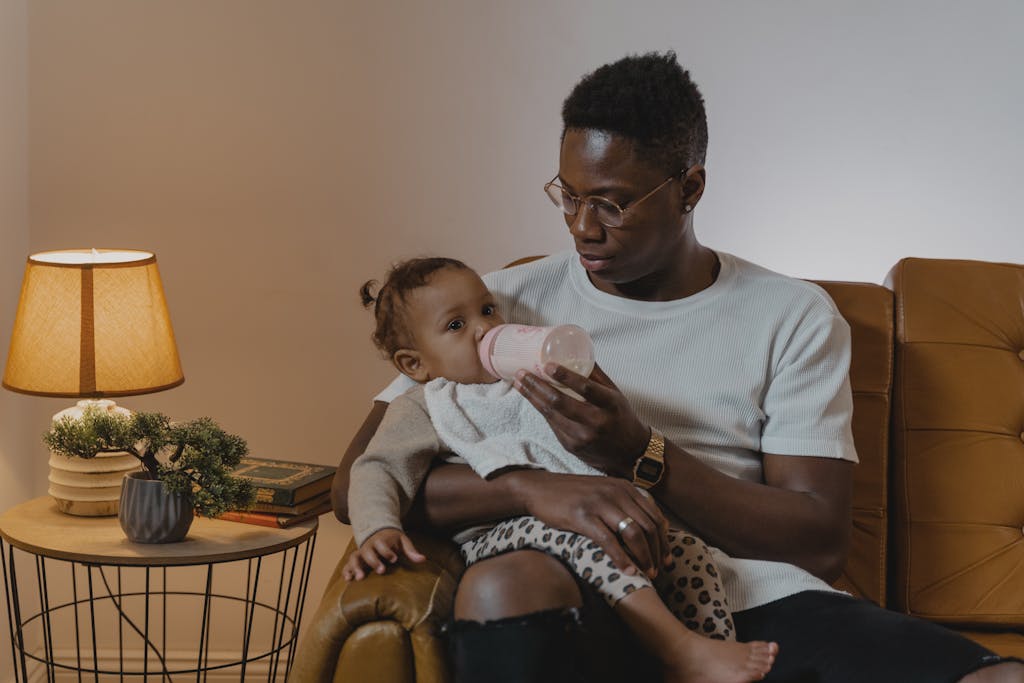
{"type": "Point", "coordinates": [83, 621]}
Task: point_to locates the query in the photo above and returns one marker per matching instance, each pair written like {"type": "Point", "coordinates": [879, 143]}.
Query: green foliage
{"type": "Point", "coordinates": [190, 457]}
{"type": "Point", "coordinates": [97, 432]}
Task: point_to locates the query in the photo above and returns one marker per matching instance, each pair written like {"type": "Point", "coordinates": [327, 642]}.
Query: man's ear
{"type": "Point", "coordinates": [692, 186]}
{"type": "Point", "coordinates": [410, 363]}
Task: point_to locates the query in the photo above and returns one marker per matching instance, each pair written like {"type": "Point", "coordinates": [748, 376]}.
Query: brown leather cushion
{"type": "Point", "coordinates": [385, 627]}
{"type": "Point", "coordinates": [377, 652]}
{"type": "Point", "coordinates": [869, 311]}
{"type": "Point", "coordinates": [958, 456]}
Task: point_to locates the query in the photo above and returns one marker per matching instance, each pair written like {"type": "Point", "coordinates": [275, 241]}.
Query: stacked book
{"type": "Point", "coordinates": [286, 492]}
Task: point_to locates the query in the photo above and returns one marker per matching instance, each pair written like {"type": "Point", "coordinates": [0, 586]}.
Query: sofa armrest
{"type": "Point", "coordinates": [395, 618]}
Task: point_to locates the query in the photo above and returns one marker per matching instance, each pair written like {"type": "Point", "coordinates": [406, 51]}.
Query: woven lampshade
{"type": "Point", "coordinates": [92, 323]}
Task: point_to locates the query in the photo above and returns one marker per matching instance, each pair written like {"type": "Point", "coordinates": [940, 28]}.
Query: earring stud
{"type": "Point", "coordinates": [687, 209]}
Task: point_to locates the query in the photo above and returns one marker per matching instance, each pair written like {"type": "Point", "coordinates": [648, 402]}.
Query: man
{"type": "Point", "coordinates": [731, 406]}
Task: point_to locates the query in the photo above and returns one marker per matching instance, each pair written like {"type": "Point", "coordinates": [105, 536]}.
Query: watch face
{"type": "Point", "coordinates": [649, 469]}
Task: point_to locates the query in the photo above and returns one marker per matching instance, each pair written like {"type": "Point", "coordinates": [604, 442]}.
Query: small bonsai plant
{"type": "Point", "coordinates": [195, 458]}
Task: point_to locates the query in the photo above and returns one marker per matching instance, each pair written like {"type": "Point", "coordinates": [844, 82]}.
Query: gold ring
{"type": "Point", "coordinates": [625, 523]}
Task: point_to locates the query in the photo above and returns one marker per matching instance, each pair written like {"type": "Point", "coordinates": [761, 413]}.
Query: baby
{"type": "Point", "coordinates": [430, 316]}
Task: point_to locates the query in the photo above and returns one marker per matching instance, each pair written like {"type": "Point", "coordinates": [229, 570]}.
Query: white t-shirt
{"type": "Point", "coordinates": [756, 363]}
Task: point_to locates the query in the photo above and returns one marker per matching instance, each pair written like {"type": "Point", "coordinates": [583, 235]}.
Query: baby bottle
{"type": "Point", "coordinates": [508, 348]}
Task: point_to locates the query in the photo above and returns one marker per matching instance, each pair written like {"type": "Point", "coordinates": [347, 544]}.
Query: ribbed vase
{"type": "Point", "coordinates": [148, 514]}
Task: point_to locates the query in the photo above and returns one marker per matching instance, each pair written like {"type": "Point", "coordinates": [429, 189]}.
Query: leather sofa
{"type": "Point", "coordinates": [938, 520]}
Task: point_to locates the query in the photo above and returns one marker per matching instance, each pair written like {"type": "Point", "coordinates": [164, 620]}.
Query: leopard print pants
{"type": "Point", "coordinates": [689, 586]}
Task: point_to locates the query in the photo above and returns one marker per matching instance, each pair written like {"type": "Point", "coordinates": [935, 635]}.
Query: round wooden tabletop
{"type": "Point", "coordinates": [38, 527]}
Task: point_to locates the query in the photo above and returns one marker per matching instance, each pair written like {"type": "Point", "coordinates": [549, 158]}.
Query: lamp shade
{"type": "Point", "coordinates": [92, 323]}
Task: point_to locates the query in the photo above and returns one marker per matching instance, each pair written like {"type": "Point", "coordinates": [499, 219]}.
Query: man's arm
{"type": "Point", "coordinates": [454, 497]}
{"type": "Point", "coordinates": [800, 514]}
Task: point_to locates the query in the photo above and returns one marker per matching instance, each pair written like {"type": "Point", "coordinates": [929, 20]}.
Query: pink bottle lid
{"type": "Point", "coordinates": [485, 348]}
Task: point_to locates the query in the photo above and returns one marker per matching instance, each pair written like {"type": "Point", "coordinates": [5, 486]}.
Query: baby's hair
{"type": "Point", "coordinates": [391, 332]}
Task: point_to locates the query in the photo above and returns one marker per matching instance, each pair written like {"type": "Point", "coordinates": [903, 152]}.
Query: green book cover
{"type": "Point", "coordinates": [280, 482]}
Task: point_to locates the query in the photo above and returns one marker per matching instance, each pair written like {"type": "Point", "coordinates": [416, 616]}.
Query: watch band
{"type": "Point", "coordinates": [650, 466]}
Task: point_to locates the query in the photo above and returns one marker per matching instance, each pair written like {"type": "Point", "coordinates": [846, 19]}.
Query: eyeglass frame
{"type": "Point", "coordinates": [588, 199]}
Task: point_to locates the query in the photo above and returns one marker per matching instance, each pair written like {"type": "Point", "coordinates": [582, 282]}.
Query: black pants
{"type": "Point", "coordinates": [833, 638]}
{"type": "Point", "coordinates": [589, 644]}
{"type": "Point", "coordinates": [823, 638]}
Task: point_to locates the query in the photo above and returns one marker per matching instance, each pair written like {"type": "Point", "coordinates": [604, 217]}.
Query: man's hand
{"type": "Point", "coordinates": [377, 552]}
{"type": "Point", "coordinates": [601, 430]}
{"type": "Point", "coordinates": [596, 507]}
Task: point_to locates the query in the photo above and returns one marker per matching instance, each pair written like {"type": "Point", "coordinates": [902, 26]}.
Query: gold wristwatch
{"type": "Point", "coordinates": [649, 467]}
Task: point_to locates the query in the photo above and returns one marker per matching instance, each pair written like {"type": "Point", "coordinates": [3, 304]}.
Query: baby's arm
{"type": "Point", "coordinates": [378, 551]}
{"type": "Point", "coordinates": [383, 482]}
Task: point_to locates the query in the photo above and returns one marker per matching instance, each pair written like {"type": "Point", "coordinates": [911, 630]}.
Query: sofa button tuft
{"type": "Point", "coordinates": [1021, 354]}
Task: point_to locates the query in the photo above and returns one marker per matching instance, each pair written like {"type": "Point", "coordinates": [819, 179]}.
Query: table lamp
{"type": "Point", "coordinates": [91, 324]}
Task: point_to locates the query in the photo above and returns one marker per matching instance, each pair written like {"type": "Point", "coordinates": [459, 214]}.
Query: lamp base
{"type": "Point", "coordinates": [89, 487]}
{"type": "Point", "coordinates": [87, 508]}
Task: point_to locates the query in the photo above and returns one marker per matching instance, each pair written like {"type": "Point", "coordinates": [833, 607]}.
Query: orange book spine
{"type": "Point", "coordinates": [260, 518]}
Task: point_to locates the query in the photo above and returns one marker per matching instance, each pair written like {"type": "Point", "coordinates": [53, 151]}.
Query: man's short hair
{"type": "Point", "coordinates": [648, 98]}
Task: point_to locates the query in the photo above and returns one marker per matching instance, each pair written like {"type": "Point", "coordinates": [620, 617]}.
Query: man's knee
{"type": "Point", "coordinates": [514, 584]}
{"type": "Point", "coordinates": [1007, 672]}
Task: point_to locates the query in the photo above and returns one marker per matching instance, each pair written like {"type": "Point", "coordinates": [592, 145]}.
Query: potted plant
{"type": "Point", "coordinates": [185, 466]}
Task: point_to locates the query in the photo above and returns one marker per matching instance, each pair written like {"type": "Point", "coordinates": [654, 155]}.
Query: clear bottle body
{"type": "Point", "coordinates": [506, 349]}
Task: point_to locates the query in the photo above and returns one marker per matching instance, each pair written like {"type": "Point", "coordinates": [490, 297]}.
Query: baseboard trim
{"type": "Point", "coordinates": [175, 659]}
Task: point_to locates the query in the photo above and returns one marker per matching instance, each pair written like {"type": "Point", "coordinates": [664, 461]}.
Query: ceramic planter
{"type": "Point", "coordinates": [148, 514]}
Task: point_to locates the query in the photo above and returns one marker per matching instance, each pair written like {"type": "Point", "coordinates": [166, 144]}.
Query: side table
{"type": "Point", "coordinates": [84, 603]}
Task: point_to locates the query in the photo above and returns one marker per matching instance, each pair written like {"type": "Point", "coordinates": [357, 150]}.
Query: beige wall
{"type": "Point", "coordinates": [16, 470]}
{"type": "Point", "coordinates": [276, 154]}
{"type": "Point", "coordinates": [20, 473]}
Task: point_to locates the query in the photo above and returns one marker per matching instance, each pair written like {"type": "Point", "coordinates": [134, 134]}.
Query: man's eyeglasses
{"type": "Point", "coordinates": [607, 212]}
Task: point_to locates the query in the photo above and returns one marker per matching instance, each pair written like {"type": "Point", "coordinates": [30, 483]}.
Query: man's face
{"type": "Point", "coordinates": [594, 162]}
{"type": "Point", "coordinates": [447, 317]}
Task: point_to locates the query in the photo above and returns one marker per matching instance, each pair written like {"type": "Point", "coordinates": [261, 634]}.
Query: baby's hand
{"type": "Point", "coordinates": [377, 552]}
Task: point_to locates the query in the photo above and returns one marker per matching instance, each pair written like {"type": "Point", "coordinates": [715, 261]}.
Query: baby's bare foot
{"type": "Point", "coordinates": [703, 660]}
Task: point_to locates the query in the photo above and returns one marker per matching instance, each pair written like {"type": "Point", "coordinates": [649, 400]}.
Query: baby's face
{"type": "Point", "coordinates": [447, 318]}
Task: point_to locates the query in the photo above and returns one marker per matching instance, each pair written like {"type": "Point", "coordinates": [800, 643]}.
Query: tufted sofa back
{"type": "Point", "coordinates": [868, 309]}
{"type": "Point", "coordinates": [958, 442]}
